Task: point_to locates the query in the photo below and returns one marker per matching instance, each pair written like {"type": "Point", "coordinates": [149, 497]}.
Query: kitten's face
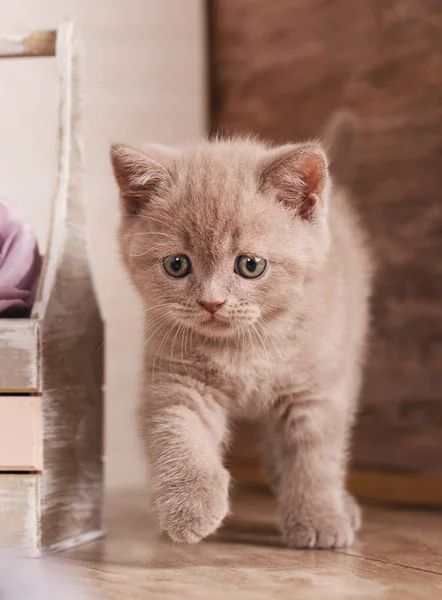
{"type": "Point", "coordinates": [219, 239]}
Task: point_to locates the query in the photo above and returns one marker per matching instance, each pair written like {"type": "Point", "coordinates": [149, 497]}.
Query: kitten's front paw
{"type": "Point", "coordinates": [193, 509]}
{"type": "Point", "coordinates": [328, 530]}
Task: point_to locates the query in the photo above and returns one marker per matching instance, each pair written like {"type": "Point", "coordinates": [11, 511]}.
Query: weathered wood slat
{"type": "Point", "coordinates": [72, 341]}
{"type": "Point", "coordinates": [37, 43]}
{"type": "Point", "coordinates": [19, 356]}
{"type": "Point", "coordinates": [20, 512]}
{"type": "Point", "coordinates": [21, 433]}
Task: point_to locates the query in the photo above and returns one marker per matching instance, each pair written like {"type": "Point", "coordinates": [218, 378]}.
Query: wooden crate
{"type": "Point", "coordinates": [51, 364]}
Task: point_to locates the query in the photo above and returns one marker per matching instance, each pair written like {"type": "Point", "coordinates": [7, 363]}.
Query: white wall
{"type": "Point", "coordinates": [144, 81]}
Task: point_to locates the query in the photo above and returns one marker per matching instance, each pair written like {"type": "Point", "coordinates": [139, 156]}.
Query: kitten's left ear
{"type": "Point", "coordinates": [140, 177]}
{"type": "Point", "coordinates": [298, 175]}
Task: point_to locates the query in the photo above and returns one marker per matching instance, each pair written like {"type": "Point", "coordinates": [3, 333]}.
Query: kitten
{"type": "Point", "coordinates": [255, 277]}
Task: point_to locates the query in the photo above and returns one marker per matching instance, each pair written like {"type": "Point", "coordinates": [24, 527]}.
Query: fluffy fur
{"type": "Point", "coordinates": [285, 348]}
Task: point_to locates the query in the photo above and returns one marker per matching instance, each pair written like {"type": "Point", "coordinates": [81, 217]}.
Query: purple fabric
{"type": "Point", "coordinates": [20, 264]}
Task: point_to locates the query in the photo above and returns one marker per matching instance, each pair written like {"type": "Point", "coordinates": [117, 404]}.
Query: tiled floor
{"type": "Point", "coordinates": [398, 555]}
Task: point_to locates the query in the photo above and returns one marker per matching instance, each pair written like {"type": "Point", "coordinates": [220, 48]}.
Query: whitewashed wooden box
{"type": "Point", "coordinates": [51, 364]}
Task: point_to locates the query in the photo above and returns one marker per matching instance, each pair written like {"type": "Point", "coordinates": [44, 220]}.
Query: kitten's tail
{"type": "Point", "coordinates": [341, 140]}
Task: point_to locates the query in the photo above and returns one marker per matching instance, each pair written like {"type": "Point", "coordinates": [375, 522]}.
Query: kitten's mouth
{"type": "Point", "coordinates": [217, 321]}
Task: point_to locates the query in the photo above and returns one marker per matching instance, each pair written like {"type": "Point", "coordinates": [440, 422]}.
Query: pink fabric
{"type": "Point", "coordinates": [20, 264]}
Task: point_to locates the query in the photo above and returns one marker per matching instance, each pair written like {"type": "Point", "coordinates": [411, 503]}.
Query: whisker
{"type": "Point", "coordinates": [150, 249]}
{"type": "Point", "coordinates": [269, 332]}
{"type": "Point", "coordinates": [150, 218]}
{"type": "Point", "coordinates": [166, 336]}
{"type": "Point", "coordinates": [159, 321]}
{"type": "Point", "coordinates": [183, 339]}
{"type": "Point", "coordinates": [264, 348]}
{"type": "Point", "coordinates": [145, 310]}
{"type": "Point", "coordinates": [143, 233]}
{"type": "Point", "coordinates": [173, 343]}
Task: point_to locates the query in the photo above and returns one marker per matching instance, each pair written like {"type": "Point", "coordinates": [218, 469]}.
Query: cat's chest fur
{"type": "Point", "coordinates": [254, 379]}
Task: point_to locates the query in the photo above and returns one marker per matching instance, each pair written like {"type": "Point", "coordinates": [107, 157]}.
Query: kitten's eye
{"type": "Point", "coordinates": [250, 267]}
{"type": "Point", "coordinates": [177, 265]}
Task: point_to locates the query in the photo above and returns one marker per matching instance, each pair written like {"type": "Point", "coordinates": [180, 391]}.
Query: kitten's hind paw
{"type": "Point", "coordinates": [324, 531]}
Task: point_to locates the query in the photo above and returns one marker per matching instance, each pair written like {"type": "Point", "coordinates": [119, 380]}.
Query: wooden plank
{"type": "Point", "coordinates": [396, 488]}
{"type": "Point", "coordinates": [388, 488]}
{"type": "Point", "coordinates": [19, 356]}
{"type": "Point", "coordinates": [37, 43]}
{"type": "Point", "coordinates": [368, 485]}
{"type": "Point", "coordinates": [21, 443]}
{"type": "Point", "coordinates": [397, 556]}
{"type": "Point", "coordinates": [280, 70]}
{"type": "Point", "coordinates": [72, 341]}
{"type": "Point", "coordinates": [19, 512]}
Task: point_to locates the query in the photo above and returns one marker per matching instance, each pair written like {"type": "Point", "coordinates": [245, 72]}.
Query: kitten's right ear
{"type": "Point", "coordinates": [139, 177]}
{"type": "Point", "coordinates": [297, 175]}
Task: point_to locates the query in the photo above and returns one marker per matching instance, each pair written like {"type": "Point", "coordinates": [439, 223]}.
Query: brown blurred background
{"type": "Point", "coordinates": [280, 69]}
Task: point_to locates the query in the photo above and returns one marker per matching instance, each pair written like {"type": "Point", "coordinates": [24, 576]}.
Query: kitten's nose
{"type": "Point", "coordinates": [211, 307]}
